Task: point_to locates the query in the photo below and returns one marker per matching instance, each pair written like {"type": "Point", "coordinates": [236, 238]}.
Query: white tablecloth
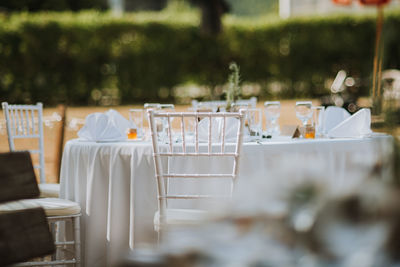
{"type": "Point", "coordinates": [115, 185]}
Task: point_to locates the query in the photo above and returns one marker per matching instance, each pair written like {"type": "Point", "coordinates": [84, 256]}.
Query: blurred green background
{"type": "Point", "coordinates": [80, 53]}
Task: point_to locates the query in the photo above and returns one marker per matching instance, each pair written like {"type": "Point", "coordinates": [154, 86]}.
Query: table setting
{"type": "Point", "coordinates": [109, 169]}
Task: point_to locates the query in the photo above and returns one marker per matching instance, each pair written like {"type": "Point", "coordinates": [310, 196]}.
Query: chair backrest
{"type": "Point", "coordinates": [26, 122]}
{"type": "Point", "coordinates": [201, 144]}
{"type": "Point", "coordinates": [251, 102]}
{"type": "Point", "coordinates": [214, 105]}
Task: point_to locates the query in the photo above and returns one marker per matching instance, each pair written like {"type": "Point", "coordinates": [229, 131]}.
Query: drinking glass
{"type": "Point", "coordinates": [165, 108]}
{"type": "Point", "coordinates": [158, 121]}
{"type": "Point", "coordinates": [318, 119]}
{"type": "Point", "coordinates": [304, 111]}
{"type": "Point", "coordinates": [272, 113]}
{"type": "Point", "coordinates": [254, 120]}
{"type": "Point", "coordinates": [136, 123]}
{"type": "Point", "coordinates": [236, 107]}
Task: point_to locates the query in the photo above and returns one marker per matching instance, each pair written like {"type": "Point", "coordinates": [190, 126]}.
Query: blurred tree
{"type": "Point", "coordinates": [131, 5]}
{"type": "Point", "coordinates": [254, 7]}
{"type": "Point", "coordinates": [59, 5]}
{"type": "Point", "coordinates": [212, 11]}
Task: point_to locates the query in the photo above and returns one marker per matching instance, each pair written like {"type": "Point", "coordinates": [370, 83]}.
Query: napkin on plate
{"type": "Point", "coordinates": [358, 125]}
{"type": "Point", "coordinates": [333, 116]}
{"type": "Point", "coordinates": [231, 127]}
{"type": "Point", "coordinates": [109, 126]}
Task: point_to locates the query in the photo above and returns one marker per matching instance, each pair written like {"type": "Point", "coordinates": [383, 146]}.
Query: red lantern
{"type": "Point", "coordinates": [343, 2]}
{"type": "Point", "coordinates": [374, 2]}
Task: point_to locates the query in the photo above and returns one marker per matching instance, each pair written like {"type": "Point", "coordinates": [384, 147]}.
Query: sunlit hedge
{"type": "Point", "coordinates": [73, 57]}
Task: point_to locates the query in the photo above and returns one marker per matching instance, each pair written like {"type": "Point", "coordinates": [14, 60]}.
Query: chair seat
{"type": "Point", "coordinates": [180, 216]}
{"type": "Point", "coordinates": [49, 190]}
{"type": "Point", "coordinates": [51, 206]}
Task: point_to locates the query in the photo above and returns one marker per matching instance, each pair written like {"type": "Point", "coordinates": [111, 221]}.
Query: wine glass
{"type": "Point", "coordinates": [272, 114]}
{"type": "Point", "coordinates": [304, 111]}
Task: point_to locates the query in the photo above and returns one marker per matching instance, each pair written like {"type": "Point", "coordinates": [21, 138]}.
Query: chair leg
{"type": "Point", "coordinates": [53, 230]}
{"type": "Point", "coordinates": [77, 234]}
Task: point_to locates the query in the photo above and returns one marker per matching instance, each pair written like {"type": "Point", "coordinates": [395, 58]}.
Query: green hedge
{"type": "Point", "coordinates": [63, 57]}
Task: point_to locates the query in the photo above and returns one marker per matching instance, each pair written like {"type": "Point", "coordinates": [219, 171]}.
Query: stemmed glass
{"type": "Point", "coordinates": [272, 113]}
{"type": "Point", "coordinates": [304, 111]}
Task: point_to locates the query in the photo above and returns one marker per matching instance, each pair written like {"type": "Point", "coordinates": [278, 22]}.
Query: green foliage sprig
{"type": "Point", "coordinates": [234, 90]}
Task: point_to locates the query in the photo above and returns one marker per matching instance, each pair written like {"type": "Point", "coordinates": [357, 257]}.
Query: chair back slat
{"type": "Point", "coordinates": [170, 133]}
{"type": "Point", "coordinates": [179, 147]}
{"type": "Point", "coordinates": [26, 122]}
{"type": "Point", "coordinates": [209, 133]}
{"type": "Point", "coordinates": [196, 130]}
{"type": "Point", "coordinates": [223, 135]}
{"type": "Point", "coordinates": [183, 134]}
{"type": "Point", "coordinates": [33, 120]}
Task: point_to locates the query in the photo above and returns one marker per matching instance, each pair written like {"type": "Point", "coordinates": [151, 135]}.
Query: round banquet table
{"type": "Point", "coordinates": [115, 185]}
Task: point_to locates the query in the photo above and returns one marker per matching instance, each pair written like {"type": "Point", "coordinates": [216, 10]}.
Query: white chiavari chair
{"type": "Point", "coordinates": [221, 104]}
{"type": "Point", "coordinates": [251, 102]}
{"type": "Point", "coordinates": [25, 122]}
{"type": "Point", "coordinates": [179, 148]}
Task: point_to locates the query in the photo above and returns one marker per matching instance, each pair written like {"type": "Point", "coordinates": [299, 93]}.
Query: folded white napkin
{"type": "Point", "coordinates": [333, 116]}
{"type": "Point", "coordinates": [231, 127]}
{"type": "Point", "coordinates": [109, 126]}
{"type": "Point", "coordinates": [358, 125]}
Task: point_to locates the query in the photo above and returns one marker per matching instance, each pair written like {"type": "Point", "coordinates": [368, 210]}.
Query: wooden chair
{"type": "Point", "coordinates": [57, 210]}
{"type": "Point", "coordinates": [26, 122]}
{"type": "Point", "coordinates": [179, 148]}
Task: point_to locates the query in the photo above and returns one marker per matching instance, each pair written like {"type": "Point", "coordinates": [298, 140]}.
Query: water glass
{"type": "Point", "coordinates": [166, 130]}
{"type": "Point", "coordinates": [136, 123]}
{"type": "Point", "coordinates": [318, 120]}
{"type": "Point", "coordinates": [236, 107]}
{"type": "Point", "coordinates": [304, 111]}
{"type": "Point", "coordinates": [254, 123]}
{"type": "Point", "coordinates": [272, 113]}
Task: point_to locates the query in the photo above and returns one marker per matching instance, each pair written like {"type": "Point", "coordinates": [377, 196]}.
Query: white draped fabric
{"type": "Point", "coordinates": [115, 185]}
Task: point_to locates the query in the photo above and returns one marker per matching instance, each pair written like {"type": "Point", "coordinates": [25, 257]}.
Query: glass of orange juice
{"type": "Point", "coordinates": [136, 124]}
{"type": "Point", "coordinates": [309, 131]}
{"type": "Point", "coordinates": [132, 133]}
